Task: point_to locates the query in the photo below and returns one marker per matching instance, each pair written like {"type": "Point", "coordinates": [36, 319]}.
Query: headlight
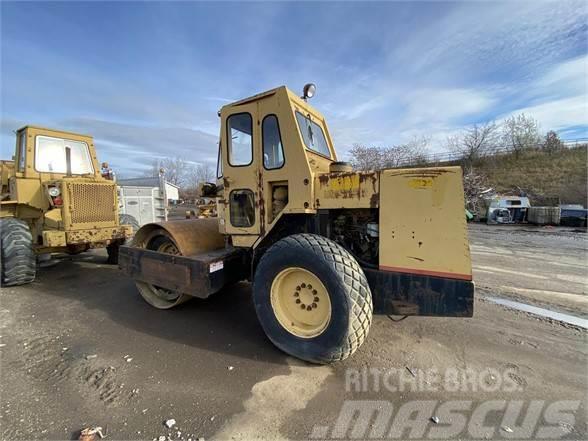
{"type": "Point", "coordinates": [308, 91]}
{"type": "Point", "coordinates": [54, 192]}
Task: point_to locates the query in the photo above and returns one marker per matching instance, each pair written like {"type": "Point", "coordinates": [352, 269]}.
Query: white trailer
{"type": "Point", "coordinates": [145, 200]}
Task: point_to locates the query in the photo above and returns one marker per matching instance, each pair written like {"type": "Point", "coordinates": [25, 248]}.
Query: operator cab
{"type": "Point", "coordinates": [269, 143]}
{"type": "Point", "coordinates": [51, 154]}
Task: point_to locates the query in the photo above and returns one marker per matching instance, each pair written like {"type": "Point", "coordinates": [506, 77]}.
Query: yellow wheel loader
{"type": "Point", "coordinates": [324, 246]}
{"type": "Point", "coordinates": [54, 199]}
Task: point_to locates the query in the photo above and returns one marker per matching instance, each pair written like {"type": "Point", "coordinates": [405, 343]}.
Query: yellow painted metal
{"type": "Point", "coordinates": [54, 238]}
{"type": "Point", "coordinates": [53, 219]}
{"type": "Point", "coordinates": [347, 190]}
{"type": "Point", "coordinates": [423, 228]}
{"type": "Point", "coordinates": [300, 302]}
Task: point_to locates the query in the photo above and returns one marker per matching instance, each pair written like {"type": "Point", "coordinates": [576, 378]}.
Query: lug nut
{"type": "Point", "coordinates": [309, 286]}
{"type": "Point", "coordinates": [308, 308]}
{"type": "Point", "coordinates": [297, 288]}
{"type": "Point", "coordinates": [303, 285]}
{"type": "Point", "coordinates": [296, 294]}
{"type": "Point", "coordinates": [303, 306]}
{"type": "Point", "coordinates": [314, 291]}
{"type": "Point", "coordinates": [297, 300]}
{"type": "Point", "coordinates": [314, 305]}
{"type": "Point", "coordinates": [316, 299]}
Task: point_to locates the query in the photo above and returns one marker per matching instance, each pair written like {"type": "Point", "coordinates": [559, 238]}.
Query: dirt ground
{"type": "Point", "coordinates": [79, 348]}
{"type": "Point", "coordinates": [544, 266]}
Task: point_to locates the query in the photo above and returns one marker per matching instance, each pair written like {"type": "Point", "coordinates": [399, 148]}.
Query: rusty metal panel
{"type": "Point", "coordinates": [347, 190]}
{"type": "Point", "coordinates": [423, 228]}
{"type": "Point", "coordinates": [191, 236]}
{"type": "Point", "coordinates": [200, 275]}
{"type": "Point", "coordinates": [161, 272]}
{"type": "Point", "coordinates": [95, 235]}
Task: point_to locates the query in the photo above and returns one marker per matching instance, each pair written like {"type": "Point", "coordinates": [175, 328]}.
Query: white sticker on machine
{"type": "Point", "coordinates": [216, 266]}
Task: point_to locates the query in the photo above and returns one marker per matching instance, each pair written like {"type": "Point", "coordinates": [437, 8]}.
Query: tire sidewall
{"type": "Point", "coordinates": [313, 349]}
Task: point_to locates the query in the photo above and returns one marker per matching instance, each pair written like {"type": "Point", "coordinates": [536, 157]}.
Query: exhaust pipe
{"type": "Point", "coordinates": [68, 161]}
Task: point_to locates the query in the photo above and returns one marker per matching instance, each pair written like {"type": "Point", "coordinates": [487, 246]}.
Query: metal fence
{"type": "Point", "coordinates": [443, 157]}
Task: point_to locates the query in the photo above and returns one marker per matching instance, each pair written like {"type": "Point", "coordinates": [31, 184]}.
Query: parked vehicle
{"type": "Point", "coordinates": [324, 246]}
{"type": "Point", "coordinates": [54, 199]}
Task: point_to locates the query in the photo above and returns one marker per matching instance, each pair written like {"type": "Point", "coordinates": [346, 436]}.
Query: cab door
{"type": "Point", "coordinates": [243, 196]}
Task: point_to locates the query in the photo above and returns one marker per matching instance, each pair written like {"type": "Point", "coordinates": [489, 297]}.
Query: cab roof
{"type": "Point", "coordinates": [30, 126]}
{"type": "Point", "coordinates": [268, 93]}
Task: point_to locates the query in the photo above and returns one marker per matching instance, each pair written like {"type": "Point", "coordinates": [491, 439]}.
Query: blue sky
{"type": "Point", "coordinates": [146, 79]}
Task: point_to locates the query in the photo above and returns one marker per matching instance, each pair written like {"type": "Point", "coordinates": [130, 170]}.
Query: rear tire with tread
{"type": "Point", "coordinates": [347, 287]}
{"type": "Point", "coordinates": [19, 263]}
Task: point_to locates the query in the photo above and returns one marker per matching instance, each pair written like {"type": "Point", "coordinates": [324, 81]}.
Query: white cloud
{"type": "Point", "coordinates": [431, 106]}
{"type": "Point", "coordinates": [559, 114]}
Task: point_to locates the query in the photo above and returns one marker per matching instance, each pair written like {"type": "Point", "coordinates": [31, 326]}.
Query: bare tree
{"type": "Point", "coordinates": [552, 142]}
{"type": "Point", "coordinates": [372, 158]}
{"type": "Point", "coordinates": [475, 187]}
{"type": "Point", "coordinates": [174, 168]}
{"type": "Point", "coordinates": [365, 158]}
{"type": "Point", "coordinates": [520, 132]}
{"type": "Point", "coordinates": [475, 142]}
{"type": "Point", "coordinates": [198, 174]}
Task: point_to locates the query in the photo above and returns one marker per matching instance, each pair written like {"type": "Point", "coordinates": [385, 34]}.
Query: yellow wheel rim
{"type": "Point", "coordinates": [300, 302]}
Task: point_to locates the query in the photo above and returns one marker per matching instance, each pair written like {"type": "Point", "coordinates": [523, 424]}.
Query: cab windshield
{"type": "Point", "coordinates": [50, 156]}
{"type": "Point", "coordinates": [313, 135]}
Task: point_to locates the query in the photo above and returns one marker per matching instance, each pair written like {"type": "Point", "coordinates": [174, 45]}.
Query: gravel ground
{"type": "Point", "coordinates": [80, 348]}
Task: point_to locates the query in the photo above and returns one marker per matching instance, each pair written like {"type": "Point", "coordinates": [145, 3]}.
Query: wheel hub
{"type": "Point", "coordinates": [300, 302]}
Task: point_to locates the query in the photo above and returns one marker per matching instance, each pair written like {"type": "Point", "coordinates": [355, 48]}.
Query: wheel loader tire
{"type": "Point", "coordinates": [127, 219]}
{"type": "Point", "coordinates": [19, 263]}
{"type": "Point", "coordinates": [282, 296]}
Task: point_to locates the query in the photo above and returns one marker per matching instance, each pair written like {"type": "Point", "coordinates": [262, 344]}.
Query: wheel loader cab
{"type": "Point", "coordinates": [271, 145]}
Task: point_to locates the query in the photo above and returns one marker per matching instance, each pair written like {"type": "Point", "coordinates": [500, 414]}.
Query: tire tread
{"type": "Point", "coordinates": [359, 294]}
{"type": "Point", "coordinates": [18, 260]}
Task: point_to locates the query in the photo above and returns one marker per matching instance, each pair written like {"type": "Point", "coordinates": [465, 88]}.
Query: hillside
{"type": "Point", "coordinates": [547, 178]}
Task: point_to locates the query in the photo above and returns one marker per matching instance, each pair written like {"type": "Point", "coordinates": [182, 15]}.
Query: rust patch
{"type": "Point", "coordinates": [261, 204]}
{"type": "Point", "coordinates": [421, 173]}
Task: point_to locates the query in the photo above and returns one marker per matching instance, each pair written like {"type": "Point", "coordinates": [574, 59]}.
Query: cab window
{"type": "Point", "coordinates": [242, 208]}
{"type": "Point", "coordinates": [273, 152]}
{"type": "Point", "coordinates": [240, 139]}
{"type": "Point", "coordinates": [219, 163]}
{"type": "Point", "coordinates": [50, 156]}
{"type": "Point", "coordinates": [21, 151]}
{"type": "Point", "coordinates": [313, 135]}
